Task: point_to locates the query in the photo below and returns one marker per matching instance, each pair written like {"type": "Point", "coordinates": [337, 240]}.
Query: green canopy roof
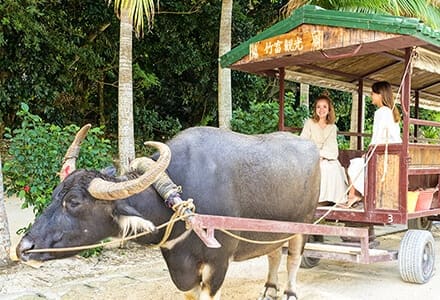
{"type": "Point", "coordinates": [316, 15]}
{"type": "Point", "coordinates": [337, 50]}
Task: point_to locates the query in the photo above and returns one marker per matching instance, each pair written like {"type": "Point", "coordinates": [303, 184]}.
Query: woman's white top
{"type": "Point", "coordinates": [385, 130]}
{"type": "Point", "coordinates": [324, 138]}
{"type": "Point", "coordinates": [333, 180]}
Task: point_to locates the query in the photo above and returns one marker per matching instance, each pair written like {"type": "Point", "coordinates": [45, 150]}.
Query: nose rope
{"type": "Point", "coordinates": [174, 218]}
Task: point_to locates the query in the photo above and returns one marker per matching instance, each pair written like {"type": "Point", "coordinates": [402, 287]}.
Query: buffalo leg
{"type": "Point", "coordinates": [193, 294]}
{"type": "Point", "coordinates": [212, 279]}
{"type": "Point", "coordinates": [185, 272]}
{"type": "Point", "coordinates": [198, 294]}
{"type": "Point", "coordinates": [209, 286]}
{"type": "Point", "coordinates": [270, 287]}
{"type": "Point", "coordinates": [295, 248]}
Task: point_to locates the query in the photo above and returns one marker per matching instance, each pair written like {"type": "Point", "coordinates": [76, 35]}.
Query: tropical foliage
{"type": "Point", "coordinates": [61, 58]}
{"type": "Point", "coordinates": [36, 151]}
{"type": "Point", "coordinates": [262, 117]}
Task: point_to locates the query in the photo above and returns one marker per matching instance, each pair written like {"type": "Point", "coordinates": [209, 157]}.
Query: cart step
{"type": "Point", "coordinates": [352, 250]}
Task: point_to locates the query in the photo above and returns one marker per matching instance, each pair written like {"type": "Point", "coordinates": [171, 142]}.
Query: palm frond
{"type": "Point", "coordinates": [137, 10]}
{"type": "Point", "coordinates": [292, 5]}
{"type": "Point", "coordinates": [427, 11]}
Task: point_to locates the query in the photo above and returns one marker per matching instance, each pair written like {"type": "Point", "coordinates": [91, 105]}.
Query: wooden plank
{"type": "Point", "coordinates": [294, 42]}
{"type": "Point", "coordinates": [387, 181]}
{"type": "Point", "coordinates": [424, 154]}
{"type": "Point", "coordinates": [306, 38]}
{"type": "Point", "coordinates": [424, 165]}
{"type": "Point", "coordinates": [423, 170]}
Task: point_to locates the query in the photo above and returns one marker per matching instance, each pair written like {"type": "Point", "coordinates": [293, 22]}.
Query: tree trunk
{"type": "Point", "coordinates": [5, 239]}
{"type": "Point", "coordinates": [224, 75]}
{"type": "Point", "coordinates": [125, 94]}
{"type": "Point", "coordinates": [304, 92]}
{"type": "Point", "coordinates": [102, 120]}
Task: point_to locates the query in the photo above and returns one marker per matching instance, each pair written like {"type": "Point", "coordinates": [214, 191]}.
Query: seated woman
{"type": "Point", "coordinates": [322, 130]}
{"type": "Point", "coordinates": [385, 130]}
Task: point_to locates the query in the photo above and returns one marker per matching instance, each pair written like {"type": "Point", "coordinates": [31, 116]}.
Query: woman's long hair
{"type": "Point", "coordinates": [384, 89]}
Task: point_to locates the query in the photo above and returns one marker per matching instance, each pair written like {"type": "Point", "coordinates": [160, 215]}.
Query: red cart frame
{"type": "Point", "coordinates": [349, 52]}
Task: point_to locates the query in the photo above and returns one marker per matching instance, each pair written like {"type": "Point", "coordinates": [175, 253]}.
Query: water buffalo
{"type": "Point", "coordinates": [270, 176]}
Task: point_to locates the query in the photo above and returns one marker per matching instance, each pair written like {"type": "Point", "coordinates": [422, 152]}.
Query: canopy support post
{"type": "Point", "coordinates": [282, 74]}
{"type": "Point", "coordinates": [360, 113]}
{"type": "Point", "coordinates": [416, 113]}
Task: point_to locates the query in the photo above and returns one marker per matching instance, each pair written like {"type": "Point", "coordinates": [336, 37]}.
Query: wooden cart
{"type": "Point", "coordinates": [349, 52]}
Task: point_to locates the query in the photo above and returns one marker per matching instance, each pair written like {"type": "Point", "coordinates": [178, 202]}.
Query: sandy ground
{"type": "Point", "coordinates": [140, 273]}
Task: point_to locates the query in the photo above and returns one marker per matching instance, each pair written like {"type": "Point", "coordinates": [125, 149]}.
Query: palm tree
{"type": "Point", "coordinates": [131, 13]}
{"type": "Point", "coordinates": [426, 10]}
{"type": "Point", "coordinates": [224, 75]}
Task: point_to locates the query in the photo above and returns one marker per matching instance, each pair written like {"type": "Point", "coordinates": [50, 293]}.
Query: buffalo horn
{"type": "Point", "coordinates": [107, 190]}
{"type": "Point", "coordinates": [69, 161]}
{"type": "Point", "coordinates": [163, 185]}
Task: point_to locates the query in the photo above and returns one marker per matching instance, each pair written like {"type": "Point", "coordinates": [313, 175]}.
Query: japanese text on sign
{"type": "Point", "coordinates": [287, 43]}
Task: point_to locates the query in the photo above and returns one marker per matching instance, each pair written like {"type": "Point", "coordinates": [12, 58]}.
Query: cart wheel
{"type": "Point", "coordinates": [416, 256]}
{"type": "Point", "coordinates": [420, 223]}
{"type": "Point", "coordinates": [310, 262]}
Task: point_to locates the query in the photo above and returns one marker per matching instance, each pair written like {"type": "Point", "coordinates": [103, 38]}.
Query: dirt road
{"type": "Point", "coordinates": [140, 273]}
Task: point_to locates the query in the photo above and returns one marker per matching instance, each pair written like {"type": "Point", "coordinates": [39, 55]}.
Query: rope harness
{"type": "Point", "coordinates": [183, 210]}
{"type": "Point", "coordinates": [183, 206]}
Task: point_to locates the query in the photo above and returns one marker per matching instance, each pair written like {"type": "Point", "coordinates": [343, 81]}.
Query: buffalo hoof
{"type": "Point", "coordinates": [270, 292]}
{"type": "Point", "coordinates": [289, 296]}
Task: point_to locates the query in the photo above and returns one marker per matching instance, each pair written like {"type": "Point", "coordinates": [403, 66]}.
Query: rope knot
{"type": "Point", "coordinates": [184, 208]}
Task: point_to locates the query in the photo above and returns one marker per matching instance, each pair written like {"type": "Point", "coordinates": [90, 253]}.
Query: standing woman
{"type": "Point", "coordinates": [322, 130]}
{"type": "Point", "coordinates": [386, 130]}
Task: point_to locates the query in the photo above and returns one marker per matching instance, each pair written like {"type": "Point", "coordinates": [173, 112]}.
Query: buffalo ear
{"type": "Point", "coordinates": [122, 208]}
{"type": "Point", "coordinates": [57, 191]}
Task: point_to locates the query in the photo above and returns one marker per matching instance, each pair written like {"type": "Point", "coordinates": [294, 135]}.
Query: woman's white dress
{"type": "Point", "coordinates": [385, 130]}
{"type": "Point", "coordinates": [333, 179]}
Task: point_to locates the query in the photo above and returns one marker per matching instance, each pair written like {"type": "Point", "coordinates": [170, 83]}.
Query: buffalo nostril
{"type": "Point", "coordinates": [24, 245]}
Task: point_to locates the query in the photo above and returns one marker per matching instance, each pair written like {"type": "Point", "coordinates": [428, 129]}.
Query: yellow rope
{"type": "Point", "coordinates": [180, 212]}
{"type": "Point", "coordinates": [255, 241]}
{"type": "Point", "coordinates": [169, 226]}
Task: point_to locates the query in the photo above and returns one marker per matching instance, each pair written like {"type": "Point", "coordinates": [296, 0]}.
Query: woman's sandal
{"type": "Point", "coordinates": [352, 202]}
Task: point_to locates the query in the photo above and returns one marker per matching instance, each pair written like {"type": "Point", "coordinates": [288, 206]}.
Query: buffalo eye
{"type": "Point", "coordinates": [73, 203]}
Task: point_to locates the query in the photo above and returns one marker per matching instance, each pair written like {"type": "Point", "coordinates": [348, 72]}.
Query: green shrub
{"type": "Point", "coordinates": [262, 117]}
{"type": "Point", "coordinates": [36, 151]}
{"type": "Point", "coordinates": [151, 126]}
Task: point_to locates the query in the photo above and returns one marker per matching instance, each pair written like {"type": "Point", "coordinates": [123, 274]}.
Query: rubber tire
{"type": "Point", "coordinates": [416, 256]}
{"type": "Point", "coordinates": [420, 223]}
{"type": "Point", "coordinates": [310, 262]}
